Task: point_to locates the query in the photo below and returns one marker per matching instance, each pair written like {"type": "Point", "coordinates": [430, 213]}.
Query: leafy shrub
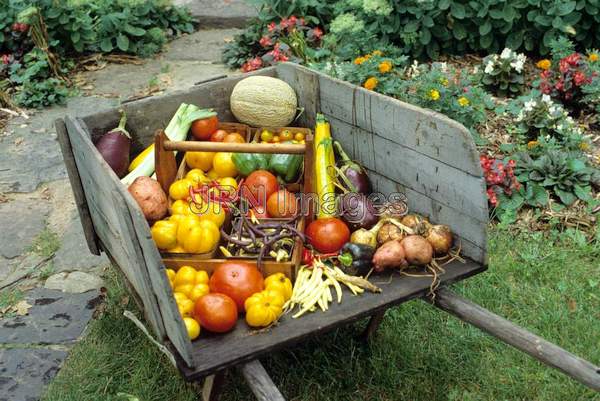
{"type": "Point", "coordinates": [542, 123]}
{"type": "Point", "coordinates": [433, 27]}
{"type": "Point", "coordinates": [565, 80]}
{"type": "Point", "coordinates": [499, 178]}
{"type": "Point", "coordinates": [566, 175]}
{"type": "Point", "coordinates": [504, 73]}
{"type": "Point", "coordinates": [42, 93]}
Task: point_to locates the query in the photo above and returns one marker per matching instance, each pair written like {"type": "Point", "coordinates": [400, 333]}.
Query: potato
{"type": "Point", "coordinates": [150, 196]}
{"type": "Point", "coordinates": [390, 254]}
{"type": "Point", "coordinates": [417, 250]}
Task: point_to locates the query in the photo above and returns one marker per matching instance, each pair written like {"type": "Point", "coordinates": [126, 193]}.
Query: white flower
{"type": "Point", "coordinates": [489, 67]}
{"type": "Point", "coordinates": [546, 99]}
{"type": "Point", "coordinates": [506, 53]}
{"type": "Point", "coordinates": [475, 69]}
{"type": "Point", "coordinates": [519, 62]}
{"type": "Point", "coordinates": [529, 105]}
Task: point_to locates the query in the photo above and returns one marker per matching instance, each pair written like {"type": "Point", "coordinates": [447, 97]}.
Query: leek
{"type": "Point", "coordinates": [176, 130]}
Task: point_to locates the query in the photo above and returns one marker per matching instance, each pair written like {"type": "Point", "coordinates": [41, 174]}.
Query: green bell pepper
{"type": "Point", "coordinates": [286, 166]}
{"type": "Point", "coordinates": [246, 163]}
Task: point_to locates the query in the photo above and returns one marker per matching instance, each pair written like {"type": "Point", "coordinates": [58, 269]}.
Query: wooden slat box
{"type": "Point", "coordinates": [424, 155]}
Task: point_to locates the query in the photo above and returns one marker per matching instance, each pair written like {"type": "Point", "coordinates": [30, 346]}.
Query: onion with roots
{"type": "Point", "coordinates": [440, 238]}
{"type": "Point", "coordinates": [389, 232]}
{"type": "Point", "coordinates": [416, 222]}
{"type": "Point", "coordinates": [417, 250]}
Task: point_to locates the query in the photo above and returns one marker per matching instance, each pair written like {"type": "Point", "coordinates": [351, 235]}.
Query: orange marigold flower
{"type": "Point", "coordinates": [359, 60]}
{"type": "Point", "coordinates": [385, 66]}
{"type": "Point", "coordinates": [532, 144]}
{"type": "Point", "coordinates": [593, 57]}
{"type": "Point", "coordinates": [377, 53]}
{"type": "Point", "coordinates": [544, 64]}
{"type": "Point", "coordinates": [371, 83]}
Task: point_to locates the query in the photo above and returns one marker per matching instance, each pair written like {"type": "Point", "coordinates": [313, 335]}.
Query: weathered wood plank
{"type": "Point", "coordinates": [145, 116]}
{"type": "Point", "coordinates": [471, 232]}
{"type": "Point", "coordinates": [216, 352]}
{"type": "Point", "coordinates": [306, 85]}
{"type": "Point", "coordinates": [82, 207]}
{"type": "Point", "coordinates": [260, 382]}
{"type": "Point", "coordinates": [523, 340]}
{"type": "Point", "coordinates": [213, 385]}
{"type": "Point", "coordinates": [108, 210]}
{"type": "Point", "coordinates": [438, 181]}
{"type": "Point", "coordinates": [163, 294]}
{"type": "Point", "coordinates": [424, 131]}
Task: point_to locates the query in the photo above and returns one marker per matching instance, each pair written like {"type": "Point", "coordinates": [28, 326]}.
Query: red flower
{"type": "Point", "coordinates": [265, 41]}
{"type": "Point", "coordinates": [317, 33]}
{"type": "Point", "coordinates": [271, 27]}
{"type": "Point", "coordinates": [252, 64]}
{"type": "Point", "coordinates": [302, 21]}
{"type": "Point", "coordinates": [573, 59]}
{"type": "Point", "coordinates": [579, 78]}
{"type": "Point", "coordinates": [284, 23]}
{"type": "Point", "coordinates": [5, 59]}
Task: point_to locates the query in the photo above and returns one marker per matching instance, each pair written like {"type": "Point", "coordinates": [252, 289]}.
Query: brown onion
{"type": "Point", "coordinates": [390, 254]}
{"type": "Point", "coordinates": [440, 238]}
{"type": "Point", "coordinates": [416, 222]}
{"type": "Point", "coordinates": [395, 210]}
{"type": "Point", "coordinates": [389, 232]}
{"type": "Point", "coordinates": [417, 250]}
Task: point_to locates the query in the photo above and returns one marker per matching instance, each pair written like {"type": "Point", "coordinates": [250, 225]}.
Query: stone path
{"type": "Point", "coordinates": [43, 254]}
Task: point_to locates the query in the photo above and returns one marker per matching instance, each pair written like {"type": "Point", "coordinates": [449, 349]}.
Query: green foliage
{"type": "Point", "coordinates": [428, 28]}
{"type": "Point", "coordinates": [314, 11]}
{"type": "Point", "coordinates": [244, 46]}
{"type": "Point", "coordinates": [537, 118]}
{"type": "Point", "coordinates": [504, 73]}
{"type": "Point", "coordinates": [566, 175]}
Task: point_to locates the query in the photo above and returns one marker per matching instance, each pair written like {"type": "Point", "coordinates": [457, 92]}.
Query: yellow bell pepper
{"type": "Point", "coordinates": [200, 239]}
{"type": "Point", "coordinates": [180, 207]}
{"type": "Point", "coordinates": [164, 234]}
{"type": "Point", "coordinates": [280, 283]}
{"type": "Point", "coordinates": [180, 189]}
{"type": "Point", "coordinates": [263, 308]}
{"type": "Point", "coordinates": [186, 223]}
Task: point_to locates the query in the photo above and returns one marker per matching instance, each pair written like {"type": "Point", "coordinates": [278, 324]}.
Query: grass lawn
{"type": "Point", "coordinates": [419, 354]}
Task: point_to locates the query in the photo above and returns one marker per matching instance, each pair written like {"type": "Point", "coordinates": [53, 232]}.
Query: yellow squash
{"type": "Point", "coordinates": [324, 168]}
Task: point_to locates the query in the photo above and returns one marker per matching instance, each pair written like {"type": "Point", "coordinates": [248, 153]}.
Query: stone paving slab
{"type": "Point", "coordinates": [25, 372]}
{"type": "Point", "coordinates": [220, 13]}
{"type": "Point", "coordinates": [54, 318]}
{"type": "Point", "coordinates": [20, 222]}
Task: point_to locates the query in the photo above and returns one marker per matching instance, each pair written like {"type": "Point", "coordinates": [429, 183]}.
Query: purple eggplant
{"type": "Point", "coordinates": [357, 210]}
{"type": "Point", "coordinates": [114, 146]}
{"type": "Point", "coordinates": [355, 173]}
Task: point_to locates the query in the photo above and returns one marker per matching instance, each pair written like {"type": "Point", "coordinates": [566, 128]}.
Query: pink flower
{"type": "Point", "coordinates": [579, 78]}
{"type": "Point", "coordinates": [292, 21]}
{"type": "Point", "coordinates": [252, 64]}
{"type": "Point", "coordinates": [284, 23]}
{"type": "Point", "coordinates": [5, 59]}
{"type": "Point", "coordinates": [317, 33]}
{"type": "Point", "coordinates": [271, 27]}
{"type": "Point", "coordinates": [265, 41]}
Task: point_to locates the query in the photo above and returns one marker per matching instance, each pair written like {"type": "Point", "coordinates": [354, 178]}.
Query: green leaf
{"type": "Point", "coordinates": [425, 36]}
{"type": "Point", "coordinates": [565, 7]}
{"type": "Point", "coordinates": [412, 26]}
{"type": "Point", "coordinates": [486, 41]}
{"type": "Point", "coordinates": [459, 31]}
{"type": "Point", "coordinates": [566, 197]}
{"type": "Point", "coordinates": [576, 165]}
{"type": "Point", "coordinates": [514, 40]}
{"type": "Point", "coordinates": [122, 42]}
{"type": "Point", "coordinates": [134, 31]}
{"type": "Point", "coordinates": [583, 193]}
{"type": "Point", "coordinates": [458, 10]}
{"type": "Point", "coordinates": [485, 28]}
{"type": "Point", "coordinates": [75, 36]}
{"type": "Point", "coordinates": [444, 4]}
{"type": "Point", "coordinates": [106, 45]}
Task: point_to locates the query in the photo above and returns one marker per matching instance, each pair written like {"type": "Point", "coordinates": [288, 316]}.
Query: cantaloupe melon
{"type": "Point", "coordinates": [263, 102]}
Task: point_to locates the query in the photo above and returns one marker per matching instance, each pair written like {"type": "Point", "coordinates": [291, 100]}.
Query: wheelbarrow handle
{"type": "Point", "coordinates": [206, 146]}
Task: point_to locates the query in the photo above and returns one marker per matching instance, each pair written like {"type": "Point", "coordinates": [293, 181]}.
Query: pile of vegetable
{"type": "Point", "coordinates": [215, 302]}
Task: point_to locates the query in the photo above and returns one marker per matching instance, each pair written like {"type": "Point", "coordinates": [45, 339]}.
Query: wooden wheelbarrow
{"type": "Point", "coordinates": [427, 157]}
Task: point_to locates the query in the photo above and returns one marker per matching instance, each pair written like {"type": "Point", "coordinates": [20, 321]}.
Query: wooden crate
{"type": "Point", "coordinates": [208, 261]}
{"type": "Point", "coordinates": [424, 155]}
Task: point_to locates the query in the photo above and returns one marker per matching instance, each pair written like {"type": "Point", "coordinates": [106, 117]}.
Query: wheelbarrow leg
{"type": "Point", "coordinates": [260, 382]}
{"type": "Point", "coordinates": [373, 325]}
{"type": "Point", "coordinates": [213, 384]}
{"type": "Point", "coordinates": [544, 351]}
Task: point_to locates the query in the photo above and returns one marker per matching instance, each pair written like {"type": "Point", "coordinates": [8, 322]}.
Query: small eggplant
{"type": "Point", "coordinates": [114, 146]}
{"type": "Point", "coordinates": [355, 174]}
{"type": "Point", "coordinates": [357, 210]}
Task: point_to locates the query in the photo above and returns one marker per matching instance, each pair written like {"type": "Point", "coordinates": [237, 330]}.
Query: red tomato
{"type": "Point", "coordinates": [238, 280]}
{"type": "Point", "coordinates": [282, 204]}
{"type": "Point", "coordinates": [216, 312]}
{"type": "Point", "coordinates": [203, 129]}
{"type": "Point", "coordinates": [258, 186]}
{"type": "Point", "coordinates": [218, 135]}
{"type": "Point", "coordinates": [328, 235]}
{"type": "Point", "coordinates": [234, 137]}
